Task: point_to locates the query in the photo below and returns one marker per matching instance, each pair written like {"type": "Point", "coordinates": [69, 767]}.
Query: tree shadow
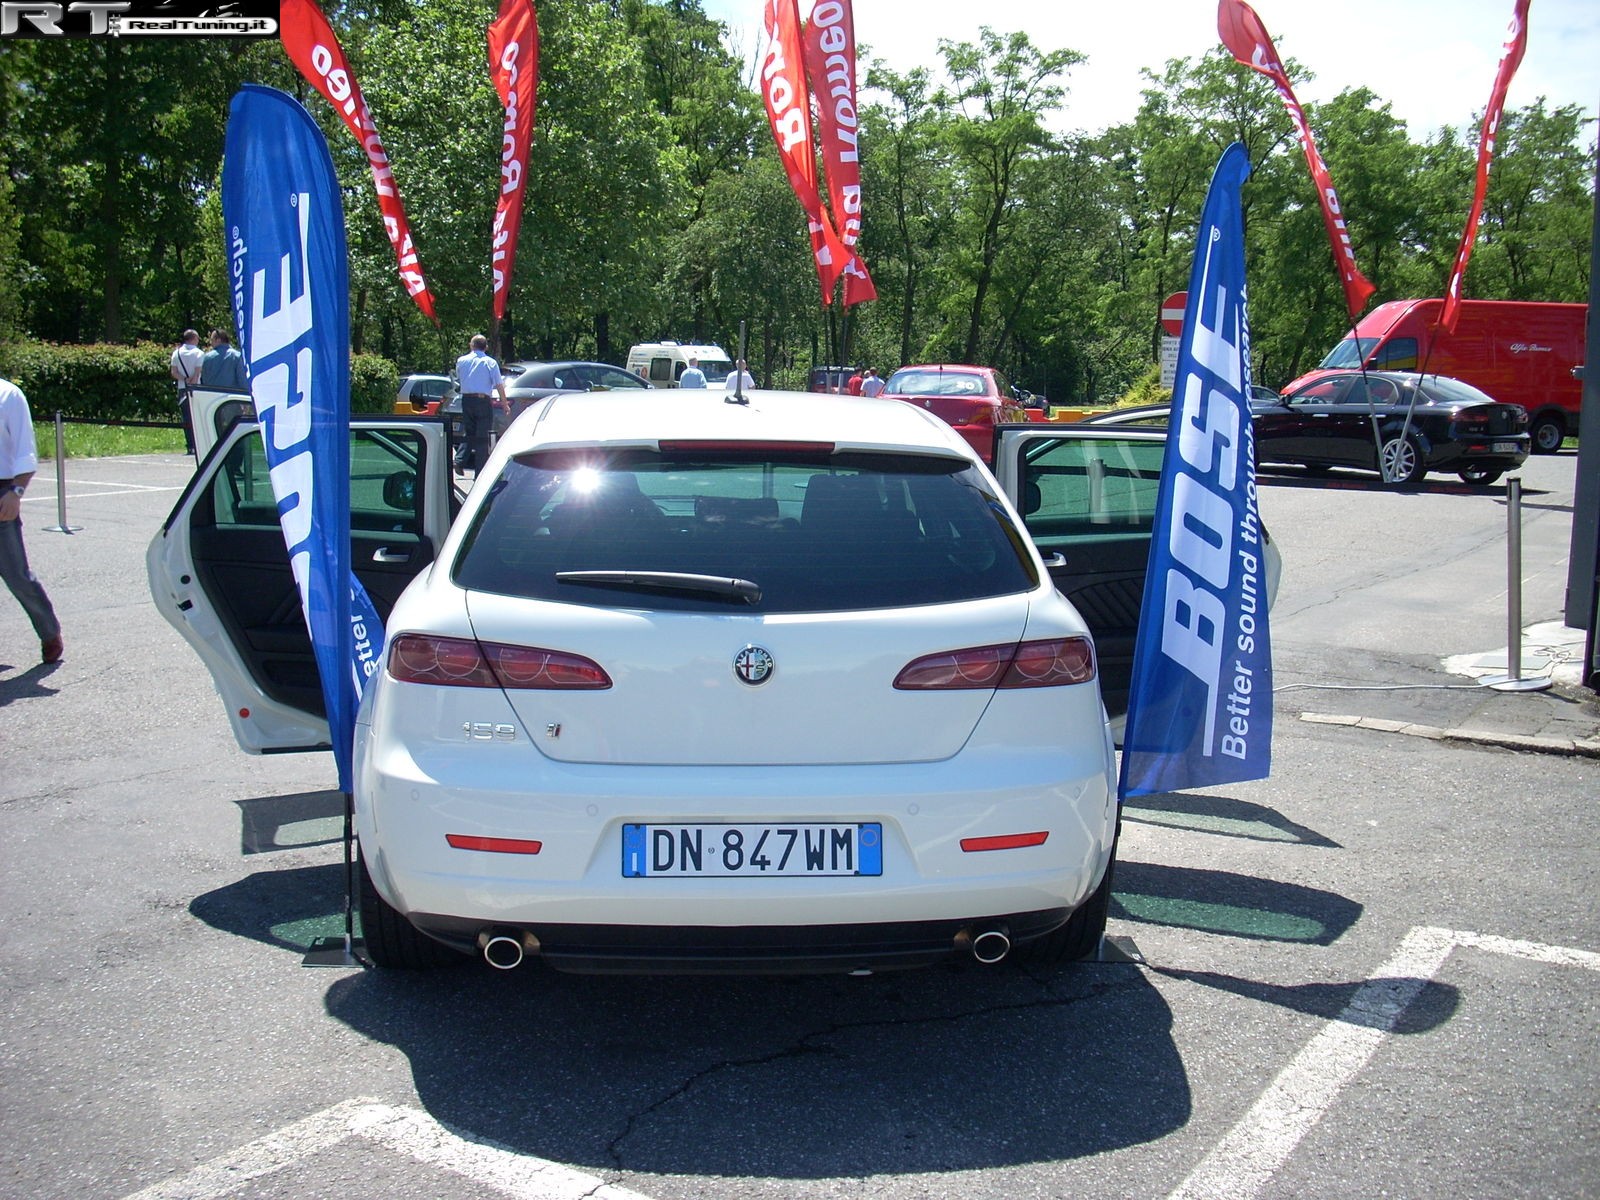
{"type": "Point", "coordinates": [1236, 905]}
{"type": "Point", "coordinates": [1221, 815]}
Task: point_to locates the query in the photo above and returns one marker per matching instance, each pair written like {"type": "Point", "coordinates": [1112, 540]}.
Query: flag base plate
{"type": "Point", "coordinates": [335, 952]}
{"type": "Point", "coordinates": [1118, 950]}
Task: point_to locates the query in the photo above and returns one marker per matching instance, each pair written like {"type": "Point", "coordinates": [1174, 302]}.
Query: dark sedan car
{"type": "Point", "coordinates": [1345, 419]}
{"type": "Point", "coordinates": [539, 380]}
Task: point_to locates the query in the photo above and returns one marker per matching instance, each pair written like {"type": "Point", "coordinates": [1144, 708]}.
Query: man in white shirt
{"type": "Point", "coordinates": [186, 360]}
{"type": "Point", "coordinates": [18, 459]}
{"type": "Point", "coordinates": [871, 385]}
{"type": "Point", "coordinates": [739, 377]}
{"type": "Point", "coordinates": [478, 376]}
{"type": "Point", "coordinates": [693, 376]}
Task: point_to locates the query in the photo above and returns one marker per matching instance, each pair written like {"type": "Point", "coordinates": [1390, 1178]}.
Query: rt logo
{"type": "Point", "coordinates": [89, 18]}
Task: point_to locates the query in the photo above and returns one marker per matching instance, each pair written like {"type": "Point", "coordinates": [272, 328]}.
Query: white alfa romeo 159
{"type": "Point", "coordinates": [701, 685]}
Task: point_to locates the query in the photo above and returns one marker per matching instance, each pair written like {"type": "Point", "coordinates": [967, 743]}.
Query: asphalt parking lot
{"type": "Point", "coordinates": [1375, 973]}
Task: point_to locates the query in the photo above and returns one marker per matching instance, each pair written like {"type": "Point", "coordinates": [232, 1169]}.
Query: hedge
{"type": "Point", "coordinates": [133, 383]}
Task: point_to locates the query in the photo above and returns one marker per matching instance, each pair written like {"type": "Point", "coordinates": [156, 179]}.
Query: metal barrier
{"type": "Point", "coordinates": [1512, 680]}
{"type": "Point", "coordinates": [61, 525]}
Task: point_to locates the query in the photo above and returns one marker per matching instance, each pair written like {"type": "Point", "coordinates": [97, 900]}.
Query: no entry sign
{"type": "Point", "coordinates": [1172, 313]}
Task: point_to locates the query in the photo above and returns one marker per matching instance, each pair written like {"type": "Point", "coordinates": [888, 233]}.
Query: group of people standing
{"type": "Point", "coordinates": [220, 369]}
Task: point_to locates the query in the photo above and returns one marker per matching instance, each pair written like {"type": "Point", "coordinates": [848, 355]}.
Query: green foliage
{"type": "Point", "coordinates": [97, 381]}
{"type": "Point", "coordinates": [656, 206]}
{"type": "Point", "coordinates": [373, 383]}
{"type": "Point", "coordinates": [1146, 389]}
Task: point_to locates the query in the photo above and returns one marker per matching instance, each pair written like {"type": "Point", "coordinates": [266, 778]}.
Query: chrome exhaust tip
{"type": "Point", "coordinates": [990, 946]}
{"type": "Point", "coordinates": [502, 952]}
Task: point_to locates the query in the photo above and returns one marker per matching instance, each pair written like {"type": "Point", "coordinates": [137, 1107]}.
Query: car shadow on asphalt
{"type": "Point", "coordinates": [1221, 815]}
{"type": "Point", "coordinates": [803, 1077]}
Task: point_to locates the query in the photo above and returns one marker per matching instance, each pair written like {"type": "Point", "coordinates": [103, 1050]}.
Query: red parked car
{"type": "Point", "coordinates": [972, 399]}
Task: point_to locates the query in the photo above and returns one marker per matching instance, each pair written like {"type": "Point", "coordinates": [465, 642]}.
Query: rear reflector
{"type": "Point", "coordinates": [1052, 663]}
{"type": "Point", "coordinates": [465, 841]}
{"type": "Point", "coordinates": [464, 662]}
{"type": "Point", "coordinates": [1009, 841]}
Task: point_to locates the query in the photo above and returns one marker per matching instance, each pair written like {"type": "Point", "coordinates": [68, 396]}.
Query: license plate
{"type": "Point", "coordinates": [741, 851]}
{"type": "Point", "coordinates": [1504, 447]}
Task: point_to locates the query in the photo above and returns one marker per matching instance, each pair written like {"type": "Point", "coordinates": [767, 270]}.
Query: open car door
{"type": "Point", "coordinates": [1088, 498]}
{"type": "Point", "coordinates": [219, 571]}
{"type": "Point", "coordinates": [1087, 495]}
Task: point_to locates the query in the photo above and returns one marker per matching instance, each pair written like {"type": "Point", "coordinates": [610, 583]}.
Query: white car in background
{"type": "Point", "coordinates": [696, 685]}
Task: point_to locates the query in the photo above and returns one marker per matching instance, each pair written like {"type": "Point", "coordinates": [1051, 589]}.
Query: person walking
{"type": "Point", "coordinates": [871, 385]}
{"type": "Point", "coordinates": [222, 367]}
{"type": "Point", "coordinates": [186, 360]}
{"type": "Point", "coordinates": [18, 461]}
{"type": "Point", "coordinates": [693, 376]}
{"type": "Point", "coordinates": [478, 376]}
{"type": "Point", "coordinates": [739, 377]}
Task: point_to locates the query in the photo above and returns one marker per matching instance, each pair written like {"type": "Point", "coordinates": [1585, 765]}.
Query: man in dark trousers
{"type": "Point", "coordinates": [478, 376]}
{"type": "Point", "coordinates": [18, 459]}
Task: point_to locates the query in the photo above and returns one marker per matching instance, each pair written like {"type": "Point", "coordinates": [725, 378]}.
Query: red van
{"type": "Point", "coordinates": [1518, 352]}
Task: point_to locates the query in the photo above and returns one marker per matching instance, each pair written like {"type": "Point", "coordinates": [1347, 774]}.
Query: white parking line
{"type": "Point", "coordinates": [1254, 1149]}
{"type": "Point", "coordinates": [405, 1130]}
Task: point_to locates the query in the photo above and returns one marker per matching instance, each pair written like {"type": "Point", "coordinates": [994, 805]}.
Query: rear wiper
{"type": "Point", "coordinates": [672, 581]}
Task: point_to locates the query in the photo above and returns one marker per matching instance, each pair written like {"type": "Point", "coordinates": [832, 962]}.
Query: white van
{"type": "Point", "coordinates": [661, 364]}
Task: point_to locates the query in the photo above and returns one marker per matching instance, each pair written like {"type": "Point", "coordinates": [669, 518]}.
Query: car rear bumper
{"type": "Point", "coordinates": [745, 949]}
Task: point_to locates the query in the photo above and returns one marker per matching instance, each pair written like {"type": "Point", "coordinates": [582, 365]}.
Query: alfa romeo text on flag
{"type": "Point", "coordinates": [1200, 707]}
{"type": "Point", "coordinates": [830, 54]}
{"type": "Point", "coordinates": [514, 67]}
{"type": "Point", "coordinates": [783, 88]}
{"type": "Point", "coordinates": [312, 47]}
{"type": "Point", "coordinates": [287, 267]}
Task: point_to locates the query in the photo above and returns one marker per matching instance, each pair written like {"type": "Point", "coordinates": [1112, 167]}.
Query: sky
{"type": "Point", "coordinates": [1432, 60]}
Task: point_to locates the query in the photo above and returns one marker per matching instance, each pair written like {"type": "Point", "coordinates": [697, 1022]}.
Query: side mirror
{"type": "Point", "coordinates": [400, 490]}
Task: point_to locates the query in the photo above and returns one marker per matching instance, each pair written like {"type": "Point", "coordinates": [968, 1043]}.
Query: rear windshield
{"type": "Point", "coordinates": [814, 532]}
{"type": "Point", "coordinates": [936, 383]}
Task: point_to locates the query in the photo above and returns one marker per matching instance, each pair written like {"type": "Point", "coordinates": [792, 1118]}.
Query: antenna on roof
{"type": "Point", "coordinates": [738, 396]}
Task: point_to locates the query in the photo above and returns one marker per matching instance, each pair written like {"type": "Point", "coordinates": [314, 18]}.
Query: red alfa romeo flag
{"type": "Point", "coordinates": [312, 48]}
{"type": "Point", "coordinates": [1510, 60]}
{"type": "Point", "coordinates": [830, 54]}
{"type": "Point", "coordinates": [514, 66]}
{"type": "Point", "coordinates": [1247, 40]}
{"type": "Point", "coordinates": [783, 87]}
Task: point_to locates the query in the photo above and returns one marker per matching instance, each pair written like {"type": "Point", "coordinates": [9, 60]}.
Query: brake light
{"type": "Point", "coordinates": [1053, 663]}
{"type": "Point", "coordinates": [466, 662]}
{"type": "Point", "coordinates": [716, 446]}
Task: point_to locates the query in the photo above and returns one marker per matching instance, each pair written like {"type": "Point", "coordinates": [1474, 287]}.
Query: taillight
{"type": "Point", "coordinates": [1053, 663]}
{"type": "Point", "coordinates": [465, 662]}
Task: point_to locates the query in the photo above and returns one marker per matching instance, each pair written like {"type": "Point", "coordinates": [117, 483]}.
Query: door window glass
{"type": "Point", "coordinates": [1397, 354]}
{"type": "Point", "coordinates": [386, 487]}
{"type": "Point", "coordinates": [1075, 487]}
{"type": "Point", "coordinates": [661, 370]}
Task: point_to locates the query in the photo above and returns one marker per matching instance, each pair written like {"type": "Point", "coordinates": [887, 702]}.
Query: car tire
{"type": "Point", "coordinates": [1080, 937]}
{"type": "Point", "coordinates": [1547, 434]}
{"type": "Point", "coordinates": [1400, 461]}
{"type": "Point", "coordinates": [393, 942]}
{"type": "Point", "coordinates": [1482, 476]}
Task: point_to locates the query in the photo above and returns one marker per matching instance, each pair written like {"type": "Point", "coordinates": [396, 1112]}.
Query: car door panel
{"type": "Point", "coordinates": [220, 572]}
{"type": "Point", "coordinates": [1089, 495]}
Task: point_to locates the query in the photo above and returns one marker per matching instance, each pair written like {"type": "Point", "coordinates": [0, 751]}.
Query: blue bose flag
{"type": "Point", "coordinates": [284, 225]}
{"type": "Point", "coordinates": [1200, 709]}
